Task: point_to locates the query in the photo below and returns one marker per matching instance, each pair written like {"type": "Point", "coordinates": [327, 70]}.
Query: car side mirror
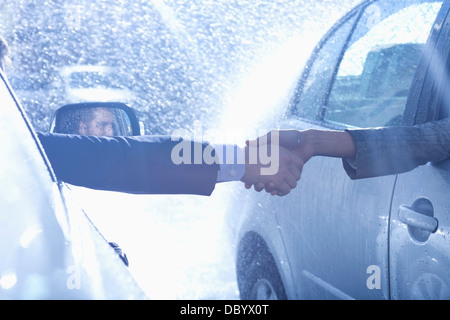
{"type": "Point", "coordinates": [96, 119]}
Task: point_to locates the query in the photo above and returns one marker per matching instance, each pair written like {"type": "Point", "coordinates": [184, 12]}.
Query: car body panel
{"type": "Point", "coordinates": [335, 230]}
{"type": "Point", "coordinates": [419, 265]}
{"type": "Point", "coordinates": [420, 258]}
{"type": "Point", "coordinates": [252, 213]}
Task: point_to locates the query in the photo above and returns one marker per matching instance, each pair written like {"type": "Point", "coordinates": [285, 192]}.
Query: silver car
{"type": "Point", "coordinates": [385, 63]}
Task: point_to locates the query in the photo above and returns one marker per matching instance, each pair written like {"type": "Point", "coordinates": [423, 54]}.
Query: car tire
{"type": "Point", "coordinates": [258, 275]}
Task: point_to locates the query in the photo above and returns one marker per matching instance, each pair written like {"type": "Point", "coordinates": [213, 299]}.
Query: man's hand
{"type": "Point", "coordinates": [305, 144]}
{"type": "Point", "coordinates": [277, 181]}
{"type": "Point", "coordinates": [287, 140]}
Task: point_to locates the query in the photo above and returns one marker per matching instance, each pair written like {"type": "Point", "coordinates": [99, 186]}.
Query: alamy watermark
{"type": "Point", "coordinates": [73, 281]}
{"type": "Point", "coordinates": [374, 279]}
{"type": "Point", "coordinates": [258, 152]}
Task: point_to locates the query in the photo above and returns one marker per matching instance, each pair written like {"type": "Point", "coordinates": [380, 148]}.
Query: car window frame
{"type": "Point", "coordinates": [4, 81]}
{"type": "Point", "coordinates": [421, 90]}
{"type": "Point", "coordinates": [299, 90]}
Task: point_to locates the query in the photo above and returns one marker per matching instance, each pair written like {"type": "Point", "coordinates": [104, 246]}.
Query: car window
{"type": "Point", "coordinates": [320, 72]}
{"type": "Point", "coordinates": [374, 77]}
{"type": "Point", "coordinates": [429, 98]}
{"type": "Point", "coordinates": [439, 89]}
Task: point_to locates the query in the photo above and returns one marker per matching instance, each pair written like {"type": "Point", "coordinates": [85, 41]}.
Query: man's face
{"type": "Point", "coordinates": [100, 125]}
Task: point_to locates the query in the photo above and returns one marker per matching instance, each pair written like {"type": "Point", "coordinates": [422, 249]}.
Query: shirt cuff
{"type": "Point", "coordinates": [231, 161]}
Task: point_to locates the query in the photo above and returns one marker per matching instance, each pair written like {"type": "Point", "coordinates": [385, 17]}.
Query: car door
{"type": "Point", "coordinates": [419, 243]}
{"type": "Point", "coordinates": [336, 230]}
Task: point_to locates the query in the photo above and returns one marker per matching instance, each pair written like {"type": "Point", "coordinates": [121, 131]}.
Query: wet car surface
{"type": "Point", "coordinates": [383, 64]}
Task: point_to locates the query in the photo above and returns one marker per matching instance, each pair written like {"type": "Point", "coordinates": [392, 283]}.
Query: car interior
{"type": "Point", "coordinates": [380, 92]}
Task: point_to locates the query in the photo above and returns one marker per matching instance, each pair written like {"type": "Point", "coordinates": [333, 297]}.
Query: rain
{"type": "Point", "coordinates": [229, 65]}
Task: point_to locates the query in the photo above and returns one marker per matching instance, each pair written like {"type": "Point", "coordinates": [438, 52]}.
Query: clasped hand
{"type": "Point", "coordinates": [285, 168]}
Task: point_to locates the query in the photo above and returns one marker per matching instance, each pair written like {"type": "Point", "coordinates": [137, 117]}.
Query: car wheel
{"type": "Point", "coordinates": [258, 276]}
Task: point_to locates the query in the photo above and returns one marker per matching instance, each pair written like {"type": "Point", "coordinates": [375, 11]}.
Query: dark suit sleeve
{"type": "Point", "coordinates": [127, 164]}
{"type": "Point", "coordinates": [393, 150]}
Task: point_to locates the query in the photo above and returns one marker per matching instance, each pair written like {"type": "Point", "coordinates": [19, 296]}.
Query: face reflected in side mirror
{"type": "Point", "coordinates": [96, 119]}
{"type": "Point", "coordinates": [98, 122]}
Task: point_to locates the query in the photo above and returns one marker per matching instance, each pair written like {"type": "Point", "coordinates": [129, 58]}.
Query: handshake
{"type": "Point", "coordinates": [287, 151]}
{"type": "Point", "coordinates": [293, 148]}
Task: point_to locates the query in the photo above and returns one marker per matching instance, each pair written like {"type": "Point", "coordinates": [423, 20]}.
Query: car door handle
{"type": "Point", "coordinates": [417, 219]}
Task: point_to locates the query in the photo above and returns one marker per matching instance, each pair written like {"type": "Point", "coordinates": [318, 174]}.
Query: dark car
{"type": "Point", "coordinates": [385, 63]}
